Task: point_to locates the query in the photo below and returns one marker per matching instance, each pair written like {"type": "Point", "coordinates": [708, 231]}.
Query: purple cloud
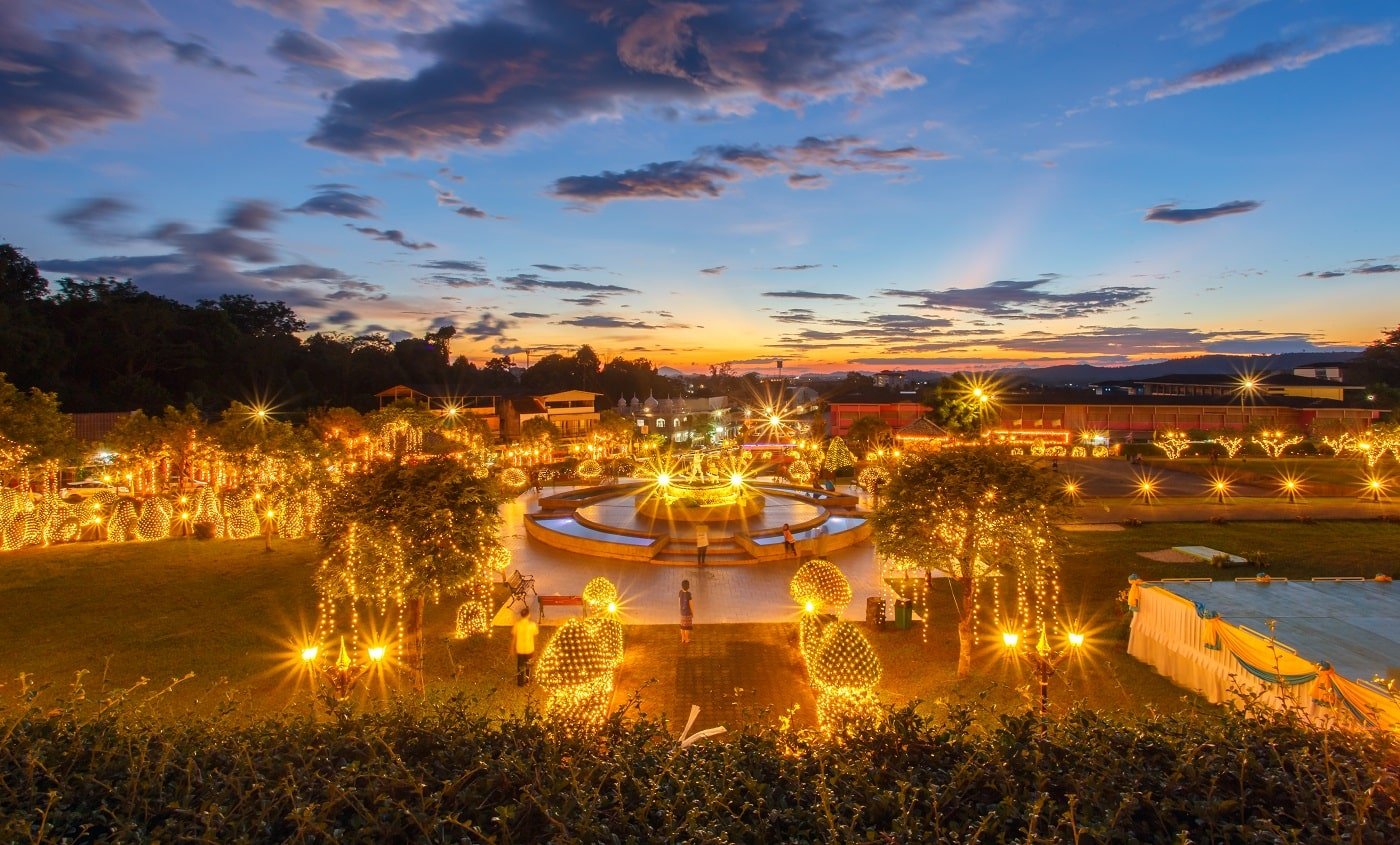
{"type": "Point", "coordinates": [1169, 213]}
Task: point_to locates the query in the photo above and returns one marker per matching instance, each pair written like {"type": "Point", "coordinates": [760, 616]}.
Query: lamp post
{"type": "Point", "coordinates": [1042, 658]}
{"type": "Point", "coordinates": [268, 523]}
{"type": "Point", "coordinates": [344, 673]}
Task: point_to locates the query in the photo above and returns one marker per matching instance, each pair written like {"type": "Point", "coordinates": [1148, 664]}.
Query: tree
{"type": "Point", "coordinates": [868, 433]}
{"type": "Point", "coordinates": [838, 457]}
{"type": "Point", "coordinates": [1380, 361]}
{"type": "Point", "coordinates": [616, 430]}
{"type": "Point", "coordinates": [408, 532]}
{"type": "Point", "coordinates": [971, 512]}
{"type": "Point", "coordinates": [33, 432]}
{"type": "Point", "coordinates": [539, 431]}
{"type": "Point", "coordinates": [953, 406]}
{"type": "Point", "coordinates": [179, 436]}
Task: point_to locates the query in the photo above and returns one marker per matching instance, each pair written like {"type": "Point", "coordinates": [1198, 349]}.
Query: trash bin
{"type": "Point", "coordinates": [875, 611]}
{"type": "Point", "coordinates": [903, 614]}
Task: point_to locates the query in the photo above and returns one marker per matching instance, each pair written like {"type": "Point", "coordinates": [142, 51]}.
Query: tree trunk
{"type": "Point", "coordinates": [413, 639]}
{"type": "Point", "coordinates": [965, 628]}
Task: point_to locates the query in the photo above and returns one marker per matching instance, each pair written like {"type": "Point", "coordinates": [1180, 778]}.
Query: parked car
{"type": "Point", "coordinates": [84, 489]}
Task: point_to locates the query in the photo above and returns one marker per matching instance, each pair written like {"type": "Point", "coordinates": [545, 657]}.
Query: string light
{"type": "Point", "coordinates": [1275, 443]}
{"type": "Point", "coordinates": [1173, 443]}
{"type": "Point", "coordinates": [589, 470]}
{"type": "Point", "coordinates": [1232, 445]}
{"type": "Point", "coordinates": [800, 472]}
{"type": "Point", "coordinates": [576, 669]}
{"type": "Point", "coordinates": [121, 525]}
{"type": "Point", "coordinates": [820, 583]}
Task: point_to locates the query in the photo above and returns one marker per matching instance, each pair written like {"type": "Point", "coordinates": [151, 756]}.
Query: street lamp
{"type": "Point", "coordinates": [1042, 658]}
{"type": "Point", "coordinates": [1376, 486]}
{"type": "Point", "coordinates": [1220, 486]}
{"type": "Point", "coordinates": [344, 673]}
{"type": "Point", "coordinates": [1290, 487]}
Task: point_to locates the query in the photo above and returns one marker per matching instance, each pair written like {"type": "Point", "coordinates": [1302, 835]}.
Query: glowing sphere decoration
{"type": "Point", "coordinates": [800, 472]}
{"type": "Point", "coordinates": [598, 594]}
{"type": "Point", "coordinates": [514, 478]}
{"type": "Point", "coordinates": [121, 525]}
{"type": "Point", "coordinates": [154, 521]}
{"type": "Point", "coordinates": [873, 475]}
{"type": "Point", "coordinates": [473, 617]}
{"type": "Point", "coordinates": [577, 671]}
{"type": "Point", "coordinates": [845, 661]}
{"type": "Point", "coordinates": [821, 584]}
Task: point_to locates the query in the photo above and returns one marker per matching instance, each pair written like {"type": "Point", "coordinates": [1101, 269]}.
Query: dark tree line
{"type": "Point", "coordinates": [107, 345]}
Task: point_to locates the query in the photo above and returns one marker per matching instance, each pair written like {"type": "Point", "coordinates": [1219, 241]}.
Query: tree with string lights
{"type": "Point", "coordinates": [404, 533]}
{"type": "Point", "coordinates": [976, 513]}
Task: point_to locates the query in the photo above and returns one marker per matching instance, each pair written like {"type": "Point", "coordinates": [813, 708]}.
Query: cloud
{"type": "Point", "coordinates": [714, 271]}
{"type": "Point", "coordinates": [199, 263]}
{"type": "Point", "coordinates": [712, 169]}
{"type": "Point", "coordinates": [445, 197]}
{"type": "Point", "coordinates": [1214, 13]}
{"type": "Point", "coordinates": [53, 90]}
{"type": "Point", "coordinates": [90, 218]}
{"type": "Point", "coordinates": [454, 265]}
{"type": "Point", "coordinates": [529, 315]}
{"type": "Point", "coordinates": [487, 326]}
{"type": "Point", "coordinates": [659, 180]}
{"type": "Point", "coordinates": [303, 272]}
{"type": "Point", "coordinates": [1169, 213]}
{"type": "Point", "coordinates": [597, 321]}
{"type": "Point", "coordinates": [338, 201]}
{"type": "Point", "coordinates": [194, 53]}
{"type": "Point", "coordinates": [1018, 299]}
{"type": "Point", "coordinates": [797, 267]}
{"type": "Point", "coordinates": [1143, 340]}
{"type": "Point", "coordinates": [251, 215]}
{"type": "Point", "coordinates": [560, 268]}
{"type": "Point", "coordinates": [452, 281]}
{"type": "Point", "coordinates": [538, 64]}
{"type": "Point", "coordinates": [402, 14]}
{"type": "Point", "coordinates": [589, 301]}
{"type": "Point", "coordinates": [1276, 56]}
{"type": "Point", "coordinates": [341, 318]}
{"type": "Point", "coordinates": [1376, 268]}
{"type": "Point", "coordinates": [807, 294]}
{"type": "Point", "coordinates": [392, 236]}
{"type": "Point", "coordinates": [1324, 274]}
{"type": "Point", "coordinates": [324, 64]}
{"type": "Point", "coordinates": [531, 281]}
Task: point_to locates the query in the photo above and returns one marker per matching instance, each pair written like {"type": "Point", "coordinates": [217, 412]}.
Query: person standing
{"type": "Point", "coordinates": [789, 541]}
{"type": "Point", "coordinates": [702, 543]}
{"type": "Point", "coordinates": [522, 639]}
{"type": "Point", "coordinates": [687, 612]}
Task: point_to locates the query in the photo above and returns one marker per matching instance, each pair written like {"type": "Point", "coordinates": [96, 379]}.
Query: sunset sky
{"type": "Point", "coordinates": [842, 184]}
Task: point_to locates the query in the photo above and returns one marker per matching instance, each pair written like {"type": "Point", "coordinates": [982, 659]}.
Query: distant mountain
{"type": "Point", "coordinates": [1081, 374]}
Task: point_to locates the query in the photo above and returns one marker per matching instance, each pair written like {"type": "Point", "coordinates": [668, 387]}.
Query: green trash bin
{"type": "Point", "coordinates": [903, 614]}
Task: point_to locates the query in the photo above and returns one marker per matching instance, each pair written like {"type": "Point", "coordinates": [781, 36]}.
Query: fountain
{"type": "Point", "coordinates": [653, 518]}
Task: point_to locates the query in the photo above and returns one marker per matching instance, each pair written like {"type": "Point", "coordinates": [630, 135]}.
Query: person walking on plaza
{"type": "Point", "coordinates": [687, 612]}
{"type": "Point", "coordinates": [522, 639]}
{"type": "Point", "coordinates": [789, 541]}
{"type": "Point", "coordinates": [702, 543]}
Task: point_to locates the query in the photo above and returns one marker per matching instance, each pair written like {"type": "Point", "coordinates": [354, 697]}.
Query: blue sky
{"type": "Point", "coordinates": [926, 185]}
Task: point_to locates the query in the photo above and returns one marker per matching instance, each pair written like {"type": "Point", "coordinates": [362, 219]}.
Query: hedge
{"type": "Point", "coordinates": [442, 772]}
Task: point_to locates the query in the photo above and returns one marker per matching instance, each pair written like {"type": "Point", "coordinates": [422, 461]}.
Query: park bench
{"type": "Point", "coordinates": [557, 601]}
{"type": "Point", "coordinates": [519, 585]}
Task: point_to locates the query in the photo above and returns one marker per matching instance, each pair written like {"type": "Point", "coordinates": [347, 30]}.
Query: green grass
{"type": "Point", "coordinates": [1329, 476]}
{"type": "Point", "coordinates": [230, 614]}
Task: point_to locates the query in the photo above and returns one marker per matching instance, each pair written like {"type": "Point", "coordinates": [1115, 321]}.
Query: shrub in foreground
{"type": "Point", "coordinates": [444, 773]}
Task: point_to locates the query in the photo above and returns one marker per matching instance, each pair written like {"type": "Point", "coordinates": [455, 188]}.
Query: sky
{"type": "Point", "coordinates": [844, 184]}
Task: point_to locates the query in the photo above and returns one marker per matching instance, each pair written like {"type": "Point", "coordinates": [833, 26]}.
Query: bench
{"type": "Point", "coordinates": [519, 585]}
{"type": "Point", "coordinates": [557, 601]}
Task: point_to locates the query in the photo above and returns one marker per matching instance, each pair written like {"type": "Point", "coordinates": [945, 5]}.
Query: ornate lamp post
{"type": "Point", "coordinates": [344, 673]}
{"type": "Point", "coordinates": [1042, 658]}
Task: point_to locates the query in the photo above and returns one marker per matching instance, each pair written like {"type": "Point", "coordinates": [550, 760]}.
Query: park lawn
{"type": "Point", "coordinates": [232, 616]}
{"type": "Point", "coordinates": [1333, 476]}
